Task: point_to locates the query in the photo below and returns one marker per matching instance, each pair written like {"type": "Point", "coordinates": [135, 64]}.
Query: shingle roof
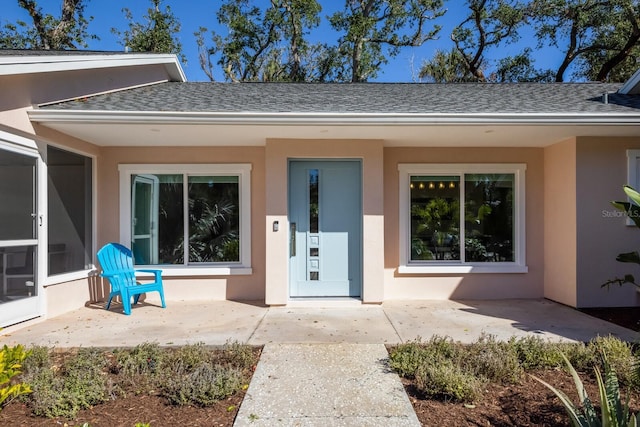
{"type": "Point", "coordinates": [364, 98]}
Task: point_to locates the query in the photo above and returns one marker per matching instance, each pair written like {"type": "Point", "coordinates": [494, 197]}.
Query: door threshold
{"type": "Point", "coordinates": [323, 302]}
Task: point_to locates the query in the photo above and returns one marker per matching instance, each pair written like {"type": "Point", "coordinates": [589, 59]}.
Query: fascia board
{"type": "Point", "coordinates": [133, 117]}
{"type": "Point", "coordinates": [12, 65]}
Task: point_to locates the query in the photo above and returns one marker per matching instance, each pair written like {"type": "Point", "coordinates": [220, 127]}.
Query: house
{"type": "Point", "coordinates": [365, 192]}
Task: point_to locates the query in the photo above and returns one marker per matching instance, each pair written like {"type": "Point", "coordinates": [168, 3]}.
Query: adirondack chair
{"type": "Point", "coordinates": [117, 266]}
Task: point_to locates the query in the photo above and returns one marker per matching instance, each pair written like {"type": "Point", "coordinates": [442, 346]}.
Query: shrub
{"type": "Point", "coordinates": [237, 355]}
{"type": "Point", "coordinates": [190, 356]}
{"type": "Point", "coordinates": [11, 359]}
{"type": "Point", "coordinates": [408, 357]}
{"type": "Point", "coordinates": [80, 383]}
{"type": "Point", "coordinates": [143, 359]}
{"type": "Point", "coordinates": [536, 353]}
{"type": "Point", "coordinates": [203, 386]}
{"type": "Point", "coordinates": [447, 380]}
{"type": "Point", "coordinates": [494, 360]}
{"type": "Point", "coordinates": [618, 354]}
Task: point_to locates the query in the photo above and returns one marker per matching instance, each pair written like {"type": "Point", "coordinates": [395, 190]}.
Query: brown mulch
{"type": "Point", "coordinates": [525, 404]}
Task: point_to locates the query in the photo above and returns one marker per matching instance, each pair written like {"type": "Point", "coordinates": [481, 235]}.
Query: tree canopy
{"type": "Point", "coordinates": [298, 41]}
{"type": "Point", "coordinates": [157, 33]}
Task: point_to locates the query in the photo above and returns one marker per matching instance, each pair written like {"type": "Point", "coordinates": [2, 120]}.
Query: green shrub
{"type": "Point", "coordinates": [144, 359]}
{"type": "Point", "coordinates": [492, 359]}
{"type": "Point", "coordinates": [11, 359]}
{"type": "Point", "coordinates": [408, 357]}
{"type": "Point", "coordinates": [536, 353]}
{"type": "Point", "coordinates": [203, 386]}
{"type": "Point", "coordinates": [619, 356]}
{"type": "Point", "coordinates": [80, 383]}
{"type": "Point", "coordinates": [190, 356]}
{"type": "Point", "coordinates": [237, 355]}
{"type": "Point", "coordinates": [447, 380]}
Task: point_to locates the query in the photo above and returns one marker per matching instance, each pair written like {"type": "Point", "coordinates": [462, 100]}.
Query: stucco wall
{"type": "Point", "coordinates": [242, 287]}
{"type": "Point", "coordinates": [466, 286]}
{"type": "Point", "coordinates": [560, 222]}
{"type": "Point", "coordinates": [278, 153]}
{"type": "Point", "coordinates": [601, 234]}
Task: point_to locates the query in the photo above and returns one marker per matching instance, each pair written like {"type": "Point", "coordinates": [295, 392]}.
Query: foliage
{"type": "Point", "coordinates": [619, 357]}
{"type": "Point", "coordinates": [449, 381]}
{"type": "Point", "coordinates": [69, 31]}
{"type": "Point", "coordinates": [62, 391]}
{"type": "Point", "coordinates": [408, 357]}
{"type": "Point", "coordinates": [188, 375]}
{"type": "Point", "coordinates": [613, 411]}
{"type": "Point", "coordinates": [632, 211]}
{"type": "Point", "coordinates": [494, 360]}
{"type": "Point", "coordinates": [266, 44]}
{"type": "Point", "coordinates": [202, 386]}
{"type": "Point", "coordinates": [156, 34]}
{"type": "Point", "coordinates": [368, 26]}
{"type": "Point", "coordinates": [11, 359]}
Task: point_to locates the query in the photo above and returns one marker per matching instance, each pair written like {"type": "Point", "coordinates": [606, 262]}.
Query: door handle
{"type": "Point", "coordinates": [292, 239]}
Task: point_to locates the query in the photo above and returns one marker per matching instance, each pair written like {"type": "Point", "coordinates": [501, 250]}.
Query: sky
{"type": "Point", "coordinates": [193, 14]}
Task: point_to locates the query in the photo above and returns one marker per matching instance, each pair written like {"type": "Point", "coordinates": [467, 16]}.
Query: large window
{"type": "Point", "coordinates": [462, 218]}
{"type": "Point", "coordinates": [206, 206]}
{"type": "Point", "coordinates": [70, 211]}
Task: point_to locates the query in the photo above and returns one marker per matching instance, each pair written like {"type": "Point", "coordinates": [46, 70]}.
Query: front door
{"type": "Point", "coordinates": [19, 299]}
{"type": "Point", "coordinates": [325, 218]}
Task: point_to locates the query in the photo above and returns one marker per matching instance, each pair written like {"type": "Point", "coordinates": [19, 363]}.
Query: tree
{"type": "Point", "coordinates": [46, 31]}
{"type": "Point", "coordinates": [597, 35]}
{"type": "Point", "coordinates": [446, 67]}
{"type": "Point", "coordinates": [156, 34]}
{"type": "Point", "coordinates": [490, 24]}
{"type": "Point", "coordinates": [266, 44]}
{"type": "Point", "coordinates": [370, 25]}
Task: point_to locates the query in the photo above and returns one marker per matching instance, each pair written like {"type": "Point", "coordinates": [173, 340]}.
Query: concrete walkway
{"type": "Point", "coordinates": [320, 366]}
{"type": "Point", "coordinates": [216, 322]}
{"type": "Point", "coordinates": [325, 385]}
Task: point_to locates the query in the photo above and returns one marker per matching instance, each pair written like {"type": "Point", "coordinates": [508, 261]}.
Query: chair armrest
{"type": "Point", "coordinates": [156, 273]}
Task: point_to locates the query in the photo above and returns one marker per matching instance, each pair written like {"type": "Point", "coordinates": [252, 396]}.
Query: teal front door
{"type": "Point", "coordinates": [325, 218]}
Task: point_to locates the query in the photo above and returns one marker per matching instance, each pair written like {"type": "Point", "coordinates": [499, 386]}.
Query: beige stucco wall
{"type": "Point", "coordinates": [560, 275]}
{"type": "Point", "coordinates": [242, 287]}
{"type": "Point", "coordinates": [278, 153]}
{"type": "Point", "coordinates": [601, 235]}
{"type": "Point", "coordinates": [465, 286]}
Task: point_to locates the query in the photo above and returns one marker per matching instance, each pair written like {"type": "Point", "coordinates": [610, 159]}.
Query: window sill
{"type": "Point", "coordinates": [178, 271]}
{"type": "Point", "coordinates": [68, 277]}
{"type": "Point", "coordinates": [461, 269]}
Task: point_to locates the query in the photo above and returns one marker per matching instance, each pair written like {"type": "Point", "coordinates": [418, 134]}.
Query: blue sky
{"type": "Point", "coordinates": [195, 13]}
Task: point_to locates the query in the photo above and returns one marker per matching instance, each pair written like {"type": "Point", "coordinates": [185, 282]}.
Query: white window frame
{"type": "Point", "coordinates": [633, 176]}
{"type": "Point", "coordinates": [78, 274]}
{"type": "Point", "coordinates": [241, 170]}
{"type": "Point", "coordinates": [408, 266]}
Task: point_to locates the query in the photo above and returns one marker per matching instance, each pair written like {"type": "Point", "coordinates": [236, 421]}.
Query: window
{"type": "Point", "coordinates": [207, 206]}
{"type": "Point", "coordinates": [457, 218]}
{"type": "Point", "coordinates": [70, 230]}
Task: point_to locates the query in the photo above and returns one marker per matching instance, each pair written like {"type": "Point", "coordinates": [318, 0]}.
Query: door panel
{"type": "Point", "coordinates": [18, 237]}
{"type": "Point", "coordinates": [325, 213]}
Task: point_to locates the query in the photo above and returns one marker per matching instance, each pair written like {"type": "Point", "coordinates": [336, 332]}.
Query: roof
{"type": "Point", "coordinates": [27, 61]}
{"type": "Point", "coordinates": [364, 98]}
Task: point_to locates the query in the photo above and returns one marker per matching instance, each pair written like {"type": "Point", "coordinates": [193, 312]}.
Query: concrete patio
{"type": "Point", "coordinates": [216, 322]}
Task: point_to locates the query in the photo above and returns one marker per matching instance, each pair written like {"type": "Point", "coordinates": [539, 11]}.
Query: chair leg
{"type": "Point", "coordinates": [126, 303]}
{"type": "Point", "coordinates": [136, 298]}
{"type": "Point", "coordinates": [108, 302]}
{"type": "Point", "coordinates": [161, 292]}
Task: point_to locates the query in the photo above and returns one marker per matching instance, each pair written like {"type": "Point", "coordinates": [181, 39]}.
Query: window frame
{"type": "Point", "coordinates": [241, 170]}
{"type": "Point", "coordinates": [633, 176]}
{"type": "Point", "coordinates": [77, 274]}
{"type": "Point", "coordinates": [408, 266]}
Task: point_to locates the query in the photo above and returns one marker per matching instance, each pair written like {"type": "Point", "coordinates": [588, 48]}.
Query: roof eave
{"type": "Point", "coordinates": [335, 119]}
{"type": "Point", "coordinates": [12, 65]}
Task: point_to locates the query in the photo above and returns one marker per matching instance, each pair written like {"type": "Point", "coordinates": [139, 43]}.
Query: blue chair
{"type": "Point", "coordinates": [117, 266]}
